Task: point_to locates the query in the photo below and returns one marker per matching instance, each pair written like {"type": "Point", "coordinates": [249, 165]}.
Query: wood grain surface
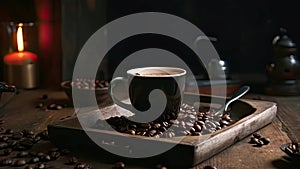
{"type": "Point", "coordinates": [21, 113]}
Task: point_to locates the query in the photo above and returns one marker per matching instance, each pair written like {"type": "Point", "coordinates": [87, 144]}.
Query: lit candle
{"type": "Point", "coordinates": [20, 57]}
{"type": "Point", "coordinates": [21, 66]}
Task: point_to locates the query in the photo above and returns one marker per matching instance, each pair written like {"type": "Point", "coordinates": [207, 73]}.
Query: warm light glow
{"type": "Point", "coordinates": [20, 38]}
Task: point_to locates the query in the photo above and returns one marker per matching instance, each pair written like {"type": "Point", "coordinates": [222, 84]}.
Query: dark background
{"type": "Point", "coordinates": [244, 29]}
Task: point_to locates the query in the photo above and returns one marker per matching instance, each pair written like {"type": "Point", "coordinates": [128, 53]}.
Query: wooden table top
{"type": "Point", "coordinates": [21, 113]}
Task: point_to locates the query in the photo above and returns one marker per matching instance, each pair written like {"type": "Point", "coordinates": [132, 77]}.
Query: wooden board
{"type": "Point", "coordinates": [250, 115]}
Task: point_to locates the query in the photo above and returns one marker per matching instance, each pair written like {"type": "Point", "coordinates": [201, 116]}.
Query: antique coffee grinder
{"type": "Point", "coordinates": [284, 70]}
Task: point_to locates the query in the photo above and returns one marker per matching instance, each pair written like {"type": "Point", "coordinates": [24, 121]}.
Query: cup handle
{"type": "Point", "coordinates": [114, 82]}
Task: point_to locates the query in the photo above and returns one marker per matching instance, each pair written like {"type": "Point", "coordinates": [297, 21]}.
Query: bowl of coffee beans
{"type": "Point", "coordinates": [84, 86]}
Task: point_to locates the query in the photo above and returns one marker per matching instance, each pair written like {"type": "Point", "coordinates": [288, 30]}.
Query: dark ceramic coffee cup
{"type": "Point", "coordinates": [155, 93]}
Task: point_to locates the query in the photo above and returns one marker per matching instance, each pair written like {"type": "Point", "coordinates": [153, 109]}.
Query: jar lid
{"type": "Point", "coordinates": [283, 39]}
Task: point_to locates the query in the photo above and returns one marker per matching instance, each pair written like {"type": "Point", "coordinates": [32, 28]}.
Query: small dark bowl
{"type": "Point", "coordinates": [101, 94]}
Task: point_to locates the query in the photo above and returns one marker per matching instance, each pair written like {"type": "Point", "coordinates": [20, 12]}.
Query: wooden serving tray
{"type": "Point", "coordinates": [250, 115]}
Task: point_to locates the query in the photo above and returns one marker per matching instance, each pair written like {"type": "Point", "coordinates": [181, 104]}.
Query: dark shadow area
{"type": "Point", "coordinates": [287, 163]}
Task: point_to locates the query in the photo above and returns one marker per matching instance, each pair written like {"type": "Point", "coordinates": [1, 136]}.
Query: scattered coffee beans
{"type": "Point", "coordinates": [119, 165]}
{"type": "Point", "coordinates": [34, 160]}
{"type": "Point", "coordinates": [293, 148]}
{"type": "Point", "coordinates": [7, 151]}
{"type": "Point", "coordinates": [29, 167]}
{"type": "Point", "coordinates": [19, 163]}
{"type": "Point", "coordinates": [6, 162]}
{"type": "Point", "coordinates": [259, 140]}
{"type": "Point", "coordinates": [22, 154]}
{"type": "Point", "coordinates": [159, 166]}
{"type": "Point", "coordinates": [82, 166]}
{"type": "Point", "coordinates": [54, 107]}
{"type": "Point", "coordinates": [40, 166]}
{"type": "Point", "coordinates": [72, 160]}
{"type": "Point", "coordinates": [54, 155]}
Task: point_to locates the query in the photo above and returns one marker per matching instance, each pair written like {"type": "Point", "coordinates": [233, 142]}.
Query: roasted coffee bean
{"type": "Point", "coordinates": [260, 143]}
{"type": "Point", "coordinates": [165, 124]}
{"type": "Point", "coordinates": [174, 122]}
{"type": "Point", "coordinates": [253, 140]}
{"type": "Point", "coordinates": [3, 145]}
{"type": "Point", "coordinates": [19, 163]}
{"type": "Point", "coordinates": [40, 154]}
{"type": "Point", "coordinates": [293, 147]}
{"type": "Point", "coordinates": [197, 128]}
{"type": "Point", "coordinates": [52, 106]}
{"type": "Point", "coordinates": [256, 135]}
{"type": "Point", "coordinates": [1, 121]}
{"type": "Point", "coordinates": [34, 160]}
{"type": "Point", "coordinates": [27, 133]}
{"type": "Point", "coordinates": [192, 129]}
{"type": "Point", "coordinates": [130, 131]}
{"type": "Point", "coordinates": [189, 124]}
{"type": "Point", "coordinates": [29, 167]}
{"type": "Point", "coordinates": [2, 129]}
{"type": "Point", "coordinates": [40, 105]}
{"type": "Point", "coordinates": [265, 140]}
{"type": "Point", "coordinates": [6, 162]}
{"type": "Point", "coordinates": [145, 125]}
{"type": "Point", "coordinates": [22, 154]}
{"type": "Point", "coordinates": [159, 166]}
{"type": "Point", "coordinates": [36, 139]}
{"type": "Point", "coordinates": [59, 107]}
{"type": "Point", "coordinates": [82, 166]}
{"type": "Point", "coordinates": [19, 147]}
{"type": "Point", "coordinates": [162, 129]}
{"type": "Point", "coordinates": [72, 160]}
{"type": "Point", "coordinates": [4, 138]}
{"type": "Point", "coordinates": [45, 158]}
{"type": "Point", "coordinates": [44, 135]}
{"type": "Point", "coordinates": [9, 131]}
{"type": "Point", "coordinates": [132, 126]}
{"type": "Point", "coordinates": [12, 143]}
{"type": "Point", "coordinates": [40, 166]}
{"type": "Point", "coordinates": [17, 136]}
{"type": "Point", "coordinates": [152, 132]}
{"type": "Point", "coordinates": [226, 117]}
{"type": "Point", "coordinates": [210, 167]}
{"type": "Point", "coordinates": [7, 151]}
{"type": "Point", "coordinates": [156, 126]}
{"type": "Point", "coordinates": [119, 165]}
{"type": "Point", "coordinates": [54, 155]}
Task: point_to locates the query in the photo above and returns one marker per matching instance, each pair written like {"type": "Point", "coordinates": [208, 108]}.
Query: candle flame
{"type": "Point", "coordinates": [20, 42]}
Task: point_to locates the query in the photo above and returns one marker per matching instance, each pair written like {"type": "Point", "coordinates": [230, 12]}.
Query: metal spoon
{"type": "Point", "coordinates": [242, 91]}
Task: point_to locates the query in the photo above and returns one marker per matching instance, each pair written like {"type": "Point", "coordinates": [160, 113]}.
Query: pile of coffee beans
{"type": "Point", "coordinates": [16, 150]}
{"type": "Point", "coordinates": [293, 148]}
{"type": "Point", "coordinates": [89, 84]}
{"type": "Point", "coordinates": [259, 140]}
{"type": "Point", "coordinates": [189, 122]}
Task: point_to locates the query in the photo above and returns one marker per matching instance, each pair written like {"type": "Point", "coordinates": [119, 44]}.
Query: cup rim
{"type": "Point", "coordinates": [135, 71]}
